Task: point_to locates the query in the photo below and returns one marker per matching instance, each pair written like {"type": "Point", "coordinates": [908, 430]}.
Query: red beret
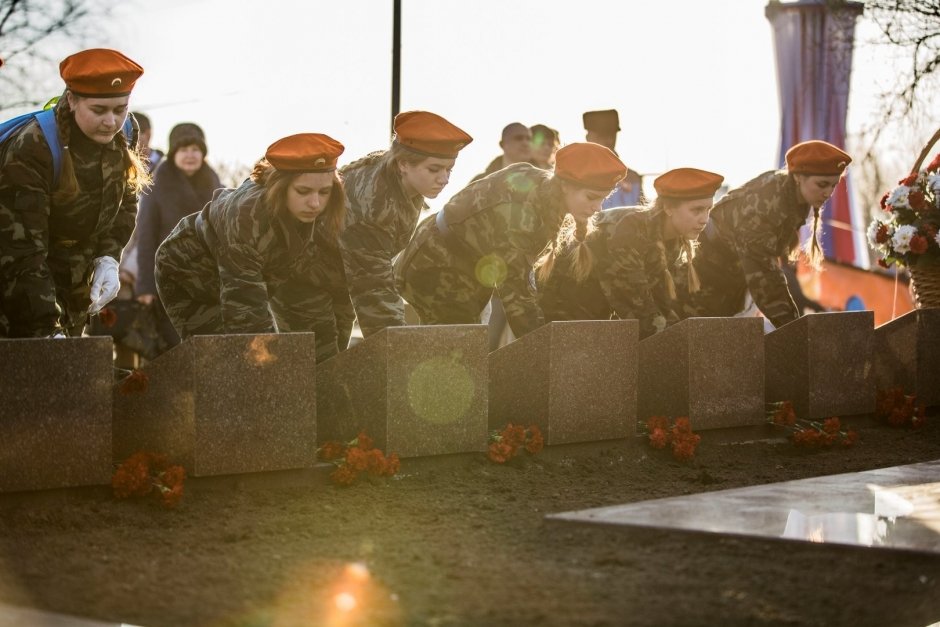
{"type": "Point", "coordinates": [589, 165]}
{"type": "Point", "coordinates": [817, 157]}
{"type": "Point", "coordinates": [429, 134]}
{"type": "Point", "coordinates": [305, 152]}
{"type": "Point", "coordinates": [687, 183]}
{"type": "Point", "coordinates": [100, 73]}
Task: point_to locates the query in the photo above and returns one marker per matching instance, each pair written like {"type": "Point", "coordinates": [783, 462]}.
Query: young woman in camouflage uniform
{"type": "Point", "coordinates": [753, 226]}
{"type": "Point", "coordinates": [60, 242]}
{"type": "Point", "coordinates": [386, 192]}
{"type": "Point", "coordinates": [623, 263]}
{"type": "Point", "coordinates": [488, 236]}
{"type": "Point", "coordinates": [246, 263]}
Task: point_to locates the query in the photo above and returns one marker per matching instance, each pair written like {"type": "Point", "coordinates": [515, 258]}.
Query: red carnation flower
{"type": "Point", "coordinates": [363, 441]}
{"type": "Point", "coordinates": [500, 452]}
{"type": "Point", "coordinates": [918, 244]}
{"type": "Point", "coordinates": [916, 200]}
{"type": "Point", "coordinates": [884, 201]}
{"type": "Point", "coordinates": [343, 475]}
{"type": "Point", "coordinates": [392, 465]}
{"type": "Point", "coordinates": [135, 383]}
{"type": "Point", "coordinates": [909, 180]}
{"type": "Point", "coordinates": [108, 317]}
{"type": "Point", "coordinates": [881, 235]}
{"type": "Point", "coordinates": [659, 438]}
{"type": "Point", "coordinates": [536, 442]}
{"type": "Point", "coordinates": [831, 425]}
{"type": "Point", "coordinates": [357, 459]}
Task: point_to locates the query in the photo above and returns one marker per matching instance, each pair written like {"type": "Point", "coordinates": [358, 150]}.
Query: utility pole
{"type": "Point", "coordinates": [396, 60]}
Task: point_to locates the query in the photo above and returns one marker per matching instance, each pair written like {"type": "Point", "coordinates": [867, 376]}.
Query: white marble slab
{"type": "Point", "coordinates": [891, 508]}
{"type": "Point", "coordinates": [12, 616]}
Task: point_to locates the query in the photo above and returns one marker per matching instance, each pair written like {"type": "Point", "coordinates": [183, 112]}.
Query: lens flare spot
{"type": "Point", "coordinates": [357, 571]}
{"type": "Point", "coordinates": [258, 352]}
{"type": "Point", "coordinates": [440, 389]}
{"type": "Point", "coordinates": [491, 270]}
{"type": "Point", "coordinates": [520, 183]}
{"type": "Point", "coordinates": [345, 602]}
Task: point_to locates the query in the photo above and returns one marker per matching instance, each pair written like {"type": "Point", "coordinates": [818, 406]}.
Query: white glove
{"type": "Point", "coordinates": [105, 283]}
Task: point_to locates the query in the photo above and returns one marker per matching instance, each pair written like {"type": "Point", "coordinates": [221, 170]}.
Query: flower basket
{"type": "Point", "coordinates": [906, 231]}
{"type": "Point", "coordinates": [925, 285]}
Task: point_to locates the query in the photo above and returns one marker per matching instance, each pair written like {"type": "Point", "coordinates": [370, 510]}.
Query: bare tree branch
{"type": "Point", "coordinates": [28, 28]}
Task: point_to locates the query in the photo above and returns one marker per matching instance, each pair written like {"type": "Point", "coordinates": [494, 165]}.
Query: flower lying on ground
{"type": "Point", "coordinates": [356, 457]}
{"type": "Point", "coordinates": [899, 409]}
{"type": "Point", "coordinates": [678, 435]}
{"type": "Point", "coordinates": [810, 433]}
{"type": "Point", "coordinates": [905, 231]}
{"type": "Point", "coordinates": [149, 473]}
{"type": "Point", "coordinates": [511, 440]}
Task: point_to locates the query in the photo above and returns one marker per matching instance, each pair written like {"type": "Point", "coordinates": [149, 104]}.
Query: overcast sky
{"type": "Point", "coordinates": [694, 81]}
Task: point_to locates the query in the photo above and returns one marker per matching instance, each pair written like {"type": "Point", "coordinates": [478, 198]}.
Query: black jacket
{"type": "Point", "coordinates": [172, 197]}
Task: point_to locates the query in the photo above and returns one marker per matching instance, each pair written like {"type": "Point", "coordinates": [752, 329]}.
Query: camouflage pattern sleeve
{"type": "Point", "coordinates": [115, 238]}
{"type": "Point", "coordinates": [244, 293]}
{"type": "Point", "coordinates": [29, 291]}
{"type": "Point", "coordinates": [758, 248]}
{"type": "Point", "coordinates": [626, 281]}
{"type": "Point", "coordinates": [367, 257]}
{"type": "Point", "coordinates": [518, 294]}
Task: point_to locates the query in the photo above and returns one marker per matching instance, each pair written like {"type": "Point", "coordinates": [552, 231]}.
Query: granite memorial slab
{"type": "Point", "coordinates": [822, 363]}
{"type": "Point", "coordinates": [13, 616]}
{"type": "Point", "coordinates": [907, 353]}
{"type": "Point", "coordinates": [415, 390]}
{"type": "Point", "coordinates": [55, 413]}
{"type": "Point", "coordinates": [709, 369]}
{"type": "Point", "coordinates": [576, 380]}
{"type": "Point", "coordinates": [889, 508]}
{"type": "Point", "coordinates": [224, 404]}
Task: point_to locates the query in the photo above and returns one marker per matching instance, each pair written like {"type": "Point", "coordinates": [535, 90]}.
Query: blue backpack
{"type": "Point", "coordinates": [50, 130]}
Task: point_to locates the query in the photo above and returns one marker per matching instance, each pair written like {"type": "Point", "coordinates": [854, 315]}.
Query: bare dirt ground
{"type": "Point", "coordinates": [462, 541]}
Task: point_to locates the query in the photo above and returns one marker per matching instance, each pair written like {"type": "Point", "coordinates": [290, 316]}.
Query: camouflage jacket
{"type": "Point", "coordinates": [496, 229]}
{"type": "Point", "coordinates": [749, 230]}
{"type": "Point", "coordinates": [628, 275]}
{"type": "Point", "coordinates": [46, 251]}
{"type": "Point", "coordinates": [380, 220]}
{"type": "Point", "coordinates": [256, 253]}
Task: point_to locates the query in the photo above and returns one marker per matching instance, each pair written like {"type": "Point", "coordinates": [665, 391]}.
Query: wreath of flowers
{"type": "Point", "coordinates": [907, 229]}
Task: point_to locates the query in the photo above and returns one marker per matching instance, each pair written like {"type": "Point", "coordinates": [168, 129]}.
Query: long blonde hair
{"type": "Point", "coordinates": [136, 174]}
{"type": "Point", "coordinates": [811, 251]}
{"type": "Point", "coordinates": [570, 241]}
{"type": "Point", "coordinates": [659, 206]}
